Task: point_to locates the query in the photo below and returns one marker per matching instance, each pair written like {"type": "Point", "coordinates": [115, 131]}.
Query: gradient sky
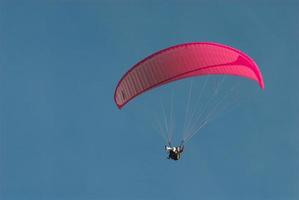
{"type": "Point", "coordinates": [63, 138]}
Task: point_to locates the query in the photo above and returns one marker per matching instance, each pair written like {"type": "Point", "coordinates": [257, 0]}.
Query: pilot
{"type": "Point", "coordinates": [174, 153]}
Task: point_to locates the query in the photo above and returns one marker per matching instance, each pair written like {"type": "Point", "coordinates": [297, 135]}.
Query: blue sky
{"type": "Point", "coordinates": [62, 137]}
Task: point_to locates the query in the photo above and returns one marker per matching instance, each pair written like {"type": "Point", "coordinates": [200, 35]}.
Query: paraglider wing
{"type": "Point", "coordinates": [183, 61]}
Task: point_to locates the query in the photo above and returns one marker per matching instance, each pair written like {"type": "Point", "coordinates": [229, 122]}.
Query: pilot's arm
{"type": "Point", "coordinates": [181, 149]}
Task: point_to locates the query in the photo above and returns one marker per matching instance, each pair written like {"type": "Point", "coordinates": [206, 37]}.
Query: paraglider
{"type": "Point", "coordinates": [174, 153]}
{"type": "Point", "coordinates": [180, 62]}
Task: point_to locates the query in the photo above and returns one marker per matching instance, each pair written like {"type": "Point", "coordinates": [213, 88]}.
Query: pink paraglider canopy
{"type": "Point", "coordinates": [183, 61]}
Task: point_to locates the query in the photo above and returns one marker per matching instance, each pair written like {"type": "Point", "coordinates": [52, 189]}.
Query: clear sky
{"type": "Point", "coordinates": [63, 138]}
